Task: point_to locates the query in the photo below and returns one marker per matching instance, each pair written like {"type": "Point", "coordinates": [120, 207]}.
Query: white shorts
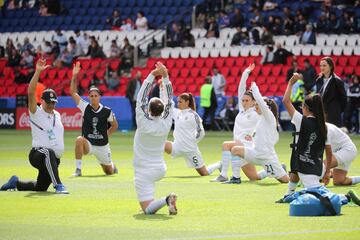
{"type": "Point", "coordinates": [145, 182]}
{"type": "Point", "coordinates": [344, 157]}
{"type": "Point", "coordinates": [270, 164]}
{"type": "Point", "coordinates": [193, 159]}
{"type": "Point", "coordinates": [311, 180]}
{"type": "Point", "coordinates": [102, 153]}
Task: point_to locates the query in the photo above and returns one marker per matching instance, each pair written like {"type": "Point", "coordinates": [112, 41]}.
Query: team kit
{"type": "Point", "coordinates": [255, 135]}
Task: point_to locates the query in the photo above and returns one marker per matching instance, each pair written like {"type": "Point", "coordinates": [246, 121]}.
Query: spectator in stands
{"type": "Point", "coordinates": [334, 22]}
{"type": "Point", "coordinates": [132, 91]}
{"type": "Point", "coordinates": [332, 91]}
{"type": "Point", "coordinates": [300, 23]}
{"type": "Point", "coordinates": [241, 37]}
{"type": "Point", "coordinates": [141, 21]}
{"type": "Point", "coordinates": [61, 39]}
{"type": "Point", "coordinates": [126, 55]}
{"type": "Point", "coordinates": [309, 76]}
{"type": "Point", "coordinates": [114, 21]}
{"type": "Point", "coordinates": [308, 37]}
{"type": "Point", "coordinates": [269, 5]}
{"type": "Point", "coordinates": [27, 60]}
{"type": "Point", "coordinates": [288, 26]}
{"type": "Point", "coordinates": [236, 19]}
{"type": "Point", "coordinates": [53, 7]}
{"type": "Point", "coordinates": [47, 49]}
{"type": "Point", "coordinates": [27, 46]}
{"type": "Point", "coordinates": [291, 71]}
{"type": "Point", "coordinates": [268, 58]}
{"type": "Point", "coordinates": [223, 20]}
{"type": "Point", "coordinates": [176, 36]}
{"type": "Point", "coordinates": [21, 78]}
{"type": "Point", "coordinates": [9, 46]}
{"type": "Point", "coordinates": [74, 49]}
{"type": "Point", "coordinates": [230, 111]}
{"type": "Point", "coordinates": [55, 49]}
{"type": "Point", "coordinates": [127, 25]}
{"type": "Point", "coordinates": [113, 81]}
{"type": "Point", "coordinates": [66, 57]}
{"type": "Point", "coordinates": [2, 51]}
{"type": "Point", "coordinates": [277, 28]}
{"type": "Point", "coordinates": [266, 37]}
{"type": "Point", "coordinates": [208, 102]}
{"type": "Point", "coordinates": [80, 40]}
{"type": "Point", "coordinates": [188, 40]}
{"type": "Point", "coordinates": [14, 58]}
{"type": "Point", "coordinates": [94, 50]}
{"type": "Point", "coordinates": [212, 28]}
{"type": "Point", "coordinates": [11, 4]}
{"type": "Point", "coordinates": [322, 25]}
{"type": "Point", "coordinates": [258, 18]}
{"type": "Point", "coordinates": [200, 20]}
{"type": "Point", "coordinates": [348, 23]}
{"type": "Point", "coordinates": [254, 33]}
{"type": "Point", "coordinates": [114, 50]}
{"type": "Point", "coordinates": [43, 10]}
{"type": "Point", "coordinates": [353, 105]}
{"type": "Point", "coordinates": [281, 55]}
{"type": "Point", "coordinates": [218, 81]}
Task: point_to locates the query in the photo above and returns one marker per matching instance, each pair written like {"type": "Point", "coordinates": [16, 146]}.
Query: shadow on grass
{"type": "Point", "coordinates": [265, 183]}
{"type": "Point", "coordinates": [152, 217]}
{"type": "Point", "coordinates": [40, 194]}
{"type": "Point", "coordinates": [93, 176]}
{"type": "Point", "coordinates": [183, 177]}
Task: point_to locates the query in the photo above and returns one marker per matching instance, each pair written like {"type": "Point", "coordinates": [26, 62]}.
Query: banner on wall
{"type": "Point", "coordinates": [7, 118]}
{"type": "Point", "coordinates": [70, 117]}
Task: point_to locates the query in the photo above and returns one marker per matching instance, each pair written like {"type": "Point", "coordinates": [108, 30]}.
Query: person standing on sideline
{"type": "Point", "coordinates": [208, 101]}
{"type": "Point", "coordinates": [95, 130]}
{"type": "Point", "coordinates": [332, 92]}
{"type": "Point", "coordinates": [262, 152]}
{"type": "Point", "coordinates": [219, 82]}
{"type": "Point", "coordinates": [310, 141]}
{"type": "Point", "coordinates": [132, 91]}
{"type": "Point", "coordinates": [187, 133]}
{"type": "Point", "coordinates": [244, 128]}
{"type": "Point", "coordinates": [154, 120]}
{"type": "Point", "coordinates": [47, 133]}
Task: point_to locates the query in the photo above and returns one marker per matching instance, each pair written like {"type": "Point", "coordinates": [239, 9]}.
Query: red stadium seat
{"type": "Point", "coordinates": [224, 71]}
{"type": "Point", "coordinates": [170, 63]}
{"type": "Point", "coordinates": [190, 62]}
{"type": "Point", "coordinates": [151, 62]}
{"type": "Point", "coordinates": [219, 62]}
{"type": "Point", "coordinates": [85, 64]}
{"type": "Point", "coordinates": [62, 74]}
{"type": "Point", "coordinates": [235, 71]}
{"type": "Point", "coordinates": [192, 88]}
{"type": "Point", "coordinates": [174, 73]}
{"type": "Point", "coordinates": [229, 61]}
{"type": "Point", "coordinates": [271, 80]}
{"type": "Point", "coordinates": [240, 62]}
{"type": "Point", "coordinates": [95, 63]}
{"type": "Point", "coordinates": [184, 72]}
{"type": "Point", "coordinates": [353, 60]}
{"type": "Point", "coordinates": [194, 72]}
{"type": "Point", "coordinates": [204, 72]}
{"type": "Point", "coordinates": [266, 69]}
{"type": "Point", "coordinates": [230, 80]}
{"type": "Point", "coordinates": [348, 70]}
{"type": "Point", "coordinates": [179, 63]}
{"type": "Point", "coordinates": [260, 80]}
{"type": "Point", "coordinates": [263, 88]}
{"type": "Point", "coordinates": [52, 73]}
{"type": "Point", "coordinates": [342, 61]}
{"type": "Point", "coordinates": [200, 81]}
{"type": "Point", "coordinates": [276, 70]}
{"type": "Point", "coordinates": [114, 65]}
{"type": "Point", "coordinates": [199, 62]}
{"type": "Point", "coordinates": [181, 88]}
{"type": "Point", "coordinates": [209, 62]}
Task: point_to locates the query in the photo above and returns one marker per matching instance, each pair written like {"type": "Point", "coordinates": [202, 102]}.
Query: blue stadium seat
{"type": "Point", "coordinates": [146, 11]}
{"type": "Point", "coordinates": [169, 3]}
{"type": "Point", "coordinates": [56, 20]}
{"type": "Point", "coordinates": [172, 10]}
{"type": "Point", "coordinates": [81, 11]}
{"type": "Point", "coordinates": [95, 3]}
{"type": "Point", "coordinates": [186, 3]}
{"type": "Point", "coordinates": [150, 3]}
{"type": "Point", "coordinates": [126, 12]}
{"type": "Point", "coordinates": [68, 20]}
{"type": "Point", "coordinates": [154, 11]}
{"type": "Point", "coordinates": [159, 3]}
{"type": "Point", "coordinates": [131, 3]}
{"type": "Point", "coordinates": [77, 4]}
{"type": "Point", "coordinates": [31, 22]}
{"type": "Point", "coordinates": [159, 20]}
{"type": "Point", "coordinates": [86, 4]}
{"type": "Point", "coordinates": [150, 18]}
{"type": "Point", "coordinates": [41, 21]}
{"type": "Point", "coordinates": [94, 20]}
{"type": "Point", "coordinates": [92, 11]}
{"type": "Point", "coordinates": [122, 4]}
{"type": "Point", "coordinates": [106, 3]}
{"type": "Point", "coordinates": [10, 13]}
{"type": "Point", "coordinates": [164, 10]}
{"type": "Point", "coordinates": [135, 10]}
{"type": "Point", "coordinates": [103, 12]}
{"type": "Point", "coordinates": [140, 3]}
{"type": "Point", "coordinates": [103, 20]}
{"type": "Point", "coordinates": [27, 13]}
{"type": "Point", "coordinates": [19, 13]}
{"type": "Point", "coordinates": [182, 10]}
{"type": "Point", "coordinates": [77, 19]}
{"type": "Point", "coordinates": [72, 12]}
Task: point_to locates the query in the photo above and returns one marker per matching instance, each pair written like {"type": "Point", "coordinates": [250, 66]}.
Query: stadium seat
{"type": "Point", "coordinates": [209, 62]}
{"type": "Point", "coordinates": [180, 63]}
{"type": "Point", "coordinates": [194, 72]}
{"type": "Point", "coordinates": [204, 72]}
{"type": "Point", "coordinates": [200, 62]}
{"type": "Point", "coordinates": [230, 61]}
{"type": "Point", "coordinates": [266, 69]}
{"type": "Point", "coordinates": [195, 53]}
{"type": "Point", "coordinates": [190, 62]}
{"type": "Point", "coordinates": [184, 72]}
{"type": "Point", "coordinates": [219, 62]}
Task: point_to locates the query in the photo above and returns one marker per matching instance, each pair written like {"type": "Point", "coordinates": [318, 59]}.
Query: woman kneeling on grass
{"type": "Point", "coordinates": [263, 151]}
{"type": "Point", "coordinates": [187, 133]}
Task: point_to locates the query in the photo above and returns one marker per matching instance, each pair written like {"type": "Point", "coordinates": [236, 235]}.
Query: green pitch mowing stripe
{"type": "Point", "coordinates": [105, 207]}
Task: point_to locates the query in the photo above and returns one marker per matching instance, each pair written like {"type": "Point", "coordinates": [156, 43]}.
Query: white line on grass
{"type": "Point", "coordinates": [252, 235]}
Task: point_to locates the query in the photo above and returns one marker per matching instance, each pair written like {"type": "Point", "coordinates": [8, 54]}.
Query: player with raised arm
{"type": "Point", "coordinates": [95, 131]}
{"type": "Point", "coordinates": [154, 120]}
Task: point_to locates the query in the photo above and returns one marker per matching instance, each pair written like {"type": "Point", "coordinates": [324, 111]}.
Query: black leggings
{"type": "Point", "coordinates": [45, 161]}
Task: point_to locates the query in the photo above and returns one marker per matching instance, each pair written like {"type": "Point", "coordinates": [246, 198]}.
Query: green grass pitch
{"type": "Point", "coordinates": [105, 207]}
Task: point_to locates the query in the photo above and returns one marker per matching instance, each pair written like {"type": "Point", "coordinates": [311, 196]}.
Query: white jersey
{"type": "Point", "coordinates": [246, 120]}
{"type": "Point", "coordinates": [47, 130]}
{"type": "Point", "coordinates": [266, 135]}
{"type": "Point", "coordinates": [188, 129]}
{"type": "Point", "coordinates": [152, 132]}
{"type": "Point", "coordinates": [338, 139]}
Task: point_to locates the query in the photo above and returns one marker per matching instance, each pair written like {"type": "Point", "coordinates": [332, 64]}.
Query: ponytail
{"type": "Point", "coordinates": [273, 108]}
{"type": "Point", "coordinates": [315, 105]}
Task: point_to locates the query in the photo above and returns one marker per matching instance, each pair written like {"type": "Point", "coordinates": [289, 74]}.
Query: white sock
{"type": "Point", "coordinates": [262, 174]}
{"type": "Point", "coordinates": [236, 166]}
{"type": "Point", "coordinates": [291, 187]}
{"type": "Point", "coordinates": [355, 180]}
{"type": "Point", "coordinates": [155, 205]}
{"type": "Point", "coordinates": [211, 168]}
{"type": "Point", "coordinates": [225, 161]}
{"type": "Point", "coordinates": [78, 163]}
{"type": "Point", "coordinates": [343, 198]}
